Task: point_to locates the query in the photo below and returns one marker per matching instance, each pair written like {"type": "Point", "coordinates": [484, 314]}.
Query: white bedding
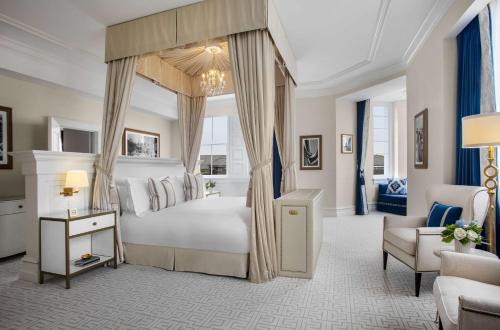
{"type": "Point", "coordinates": [213, 224]}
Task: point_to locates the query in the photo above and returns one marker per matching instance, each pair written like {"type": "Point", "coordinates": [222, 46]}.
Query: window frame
{"type": "Point", "coordinates": [389, 158]}
{"type": "Point", "coordinates": [217, 176]}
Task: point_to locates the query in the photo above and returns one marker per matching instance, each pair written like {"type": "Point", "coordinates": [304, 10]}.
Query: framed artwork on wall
{"type": "Point", "coordinates": [5, 138]}
{"type": "Point", "coordinates": [136, 143]}
{"type": "Point", "coordinates": [311, 156]}
{"type": "Point", "coordinates": [421, 137]}
{"type": "Point", "coordinates": [346, 142]}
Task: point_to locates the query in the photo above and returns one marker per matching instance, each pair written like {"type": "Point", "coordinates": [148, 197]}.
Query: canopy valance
{"type": "Point", "coordinates": [195, 23]}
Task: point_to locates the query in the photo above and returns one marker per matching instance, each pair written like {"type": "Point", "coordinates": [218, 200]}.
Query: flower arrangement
{"type": "Point", "coordinates": [210, 185]}
{"type": "Point", "coordinates": [464, 235]}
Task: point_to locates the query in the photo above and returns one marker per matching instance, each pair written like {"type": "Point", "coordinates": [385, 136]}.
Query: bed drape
{"type": "Point", "coordinates": [191, 115]}
{"type": "Point", "coordinates": [252, 62]}
{"type": "Point", "coordinates": [119, 84]}
{"type": "Point", "coordinates": [284, 127]}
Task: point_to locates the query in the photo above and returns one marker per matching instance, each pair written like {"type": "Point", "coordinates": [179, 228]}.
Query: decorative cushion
{"type": "Point", "coordinates": [442, 215]}
{"type": "Point", "coordinates": [194, 186]}
{"type": "Point", "coordinates": [162, 193]}
{"type": "Point", "coordinates": [134, 195]}
{"type": "Point", "coordinates": [397, 187]}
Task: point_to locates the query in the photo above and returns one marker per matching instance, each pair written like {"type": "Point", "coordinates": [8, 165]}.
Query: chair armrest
{"type": "Point", "coordinates": [475, 313]}
{"type": "Point", "coordinates": [430, 230]}
{"type": "Point", "coordinates": [472, 267]}
{"type": "Point", "coordinates": [429, 240]}
{"type": "Point", "coordinates": [397, 221]}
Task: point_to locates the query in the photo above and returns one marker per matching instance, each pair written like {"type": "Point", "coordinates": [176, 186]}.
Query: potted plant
{"type": "Point", "coordinates": [210, 185]}
{"type": "Point", "coordinates": [465, 236]}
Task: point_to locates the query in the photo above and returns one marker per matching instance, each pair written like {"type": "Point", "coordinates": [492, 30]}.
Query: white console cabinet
{"type": "Point", "coordinates": [12, 226]}
{"type": "Point", "coordinates": [299, 226]}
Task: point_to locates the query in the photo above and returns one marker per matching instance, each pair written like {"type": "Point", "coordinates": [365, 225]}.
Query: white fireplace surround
{"type": "Point", "coordinates": [44, 173]}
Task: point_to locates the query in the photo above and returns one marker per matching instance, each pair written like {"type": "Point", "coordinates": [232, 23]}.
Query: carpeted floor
{"type": "Point", "coordinates": [350, 291]}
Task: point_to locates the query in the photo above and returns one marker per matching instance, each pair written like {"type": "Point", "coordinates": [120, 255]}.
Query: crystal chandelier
{"type": "Point", "coordinates": [212, 82]}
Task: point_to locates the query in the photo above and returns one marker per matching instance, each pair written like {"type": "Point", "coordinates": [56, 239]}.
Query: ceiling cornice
{"type": "Point", "coordinates": [372, 53]}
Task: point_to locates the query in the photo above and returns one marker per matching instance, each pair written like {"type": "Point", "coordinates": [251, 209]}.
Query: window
{"type": "Point", "coordinates": [381, 142]}
{"type": "Point", "coordinates": [214, 145]}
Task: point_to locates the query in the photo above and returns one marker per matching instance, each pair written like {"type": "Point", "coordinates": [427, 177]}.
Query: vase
{"type": "Point", "coordinates": [462, 248]}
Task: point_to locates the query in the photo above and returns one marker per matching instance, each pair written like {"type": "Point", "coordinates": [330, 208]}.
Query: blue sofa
{"type": "Point", "coordinates": [390, 203]}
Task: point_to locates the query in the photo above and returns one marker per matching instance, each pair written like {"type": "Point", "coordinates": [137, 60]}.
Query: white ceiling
{"type": "Point", "coordinates": [337, 43]}
{"type": "Point", "coordinates": [389, 91]}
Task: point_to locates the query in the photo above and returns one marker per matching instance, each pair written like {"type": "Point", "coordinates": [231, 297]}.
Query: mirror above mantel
{"type": "Point", "coordinates": [66, 135]}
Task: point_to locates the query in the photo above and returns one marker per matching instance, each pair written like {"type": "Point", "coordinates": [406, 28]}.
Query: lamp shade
{"type": "Point", "coordinates": [76, 179]}
{"type": "Point", "coordinates": [481, 130]}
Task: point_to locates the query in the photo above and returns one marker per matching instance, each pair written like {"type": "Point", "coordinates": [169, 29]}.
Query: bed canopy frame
{"type": "Point", "coordinates": [167, 48]}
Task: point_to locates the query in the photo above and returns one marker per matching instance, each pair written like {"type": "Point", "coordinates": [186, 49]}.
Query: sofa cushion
{"type": "Point", "coordinates": [441, 215]}
{"type": "Point", "coordinates": [396, 187]}
{"type": "Point", "coordinates": [392, 199]}
{"type": "Point", "coordinates": [403, 238]}
{"type": "Point", "coordinates": [447, 289]}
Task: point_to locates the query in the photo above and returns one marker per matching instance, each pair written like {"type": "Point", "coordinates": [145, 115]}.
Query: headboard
{"type": "Point", "coordinates": [147, 167]}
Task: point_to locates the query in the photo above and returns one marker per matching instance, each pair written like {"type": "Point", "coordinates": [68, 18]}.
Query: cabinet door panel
{"type": "Point", "coordinates": [294, 238]}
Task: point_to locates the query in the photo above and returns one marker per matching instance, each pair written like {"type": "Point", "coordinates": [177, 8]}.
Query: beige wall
{"type": "Point", "coordinates": [345, 117]}
{"type": "Point", "coordinates": [431, 79]}
{"type": "Point", "coordinates": [32, 103]}
{"type": "Point", "coordinates": [400, 139]}
{"type": "Point", "coordinates": [317, 116]}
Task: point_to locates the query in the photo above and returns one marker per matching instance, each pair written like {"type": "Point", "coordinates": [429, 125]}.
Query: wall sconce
{"type": "Point", "coordinates": [74, 181]}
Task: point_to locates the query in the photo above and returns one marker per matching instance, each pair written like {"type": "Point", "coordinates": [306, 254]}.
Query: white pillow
{"type": "Point", "coordinates": [161, 193]}
{"type": "Point", "coordinates": [124, 195]}
{"type": "Point", "coordinates": [139, 195]}
{"type": "Point", "coordinates": [178, 183]}
{"type": "Point", "coordinates": [194, 186]}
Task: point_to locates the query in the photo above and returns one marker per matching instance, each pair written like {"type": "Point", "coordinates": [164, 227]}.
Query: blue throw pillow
{"type": "Point", "coordinates": [442, 215]}
{"type": "Point", "coordinates": [396, 187]}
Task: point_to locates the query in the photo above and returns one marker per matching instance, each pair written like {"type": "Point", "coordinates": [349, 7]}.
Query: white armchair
{"type": "Point", "coordinates": [467, 292]}
{"type": "Point", "coordinates": [409, 240]}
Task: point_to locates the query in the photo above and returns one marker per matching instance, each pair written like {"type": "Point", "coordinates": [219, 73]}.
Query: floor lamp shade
{"type": "Point", "coordinates": [481, 130]}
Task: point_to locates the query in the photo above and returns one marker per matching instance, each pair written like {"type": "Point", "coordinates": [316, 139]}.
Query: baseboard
{"type": "Point", "coordinates": [329, 212]}
{"type": "Point", "coordinates": [351, 210]}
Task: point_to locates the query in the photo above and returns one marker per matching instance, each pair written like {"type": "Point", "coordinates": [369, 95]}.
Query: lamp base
{"type": "Point", "coordinates": [491, 173]}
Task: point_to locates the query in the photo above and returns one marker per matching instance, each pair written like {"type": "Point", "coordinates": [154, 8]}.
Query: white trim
{"type": "Point", "coordinates": [351, 210]}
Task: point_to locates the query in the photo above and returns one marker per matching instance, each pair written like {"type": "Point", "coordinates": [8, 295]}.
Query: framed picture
{"type": "Point", "coordinates": [346, 141]}
{"type": "Point", "coordinates": [5, 138]}
{"type": "Point", "coordinates": [421, 140]}
{"type": "Point", "coordinates": [137, 143]}
{"type": "Point", "coordinates": [311, 152]}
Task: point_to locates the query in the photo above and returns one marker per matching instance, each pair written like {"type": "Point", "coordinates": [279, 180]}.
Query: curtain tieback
{"type": "Point", "coordinates": [261, 165]}
{"type": "Point", "coordinates": [103, 172]}
{"type": "Point", "coordinates": [289, 166]}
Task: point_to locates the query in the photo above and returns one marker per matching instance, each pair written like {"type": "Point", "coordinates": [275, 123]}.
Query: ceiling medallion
{"type": "Point", "coordinates": [212, 82]}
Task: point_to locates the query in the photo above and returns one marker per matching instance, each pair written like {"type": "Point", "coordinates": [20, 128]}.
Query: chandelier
{"type": "Point", "coordinates": [212, 82]}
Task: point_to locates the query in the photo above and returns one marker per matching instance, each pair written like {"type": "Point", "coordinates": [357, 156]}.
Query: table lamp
{"type": "Point", "coordinates": [74, 181]}
{"type": "Point", "coordinates": [483, 131]}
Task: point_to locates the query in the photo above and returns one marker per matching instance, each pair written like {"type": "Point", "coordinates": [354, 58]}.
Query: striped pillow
{"type": "Point", "coordinates": [194, 186]}
{"type": "Point", "coordinates": [161, 193]}
{"type": "Point", "coordinates": [442, 215]}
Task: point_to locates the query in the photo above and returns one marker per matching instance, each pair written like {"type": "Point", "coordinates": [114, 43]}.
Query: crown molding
{"type": "Point", "coordinates": [372, 53]}
{"type": "Point", "coordinates": [432, 19]}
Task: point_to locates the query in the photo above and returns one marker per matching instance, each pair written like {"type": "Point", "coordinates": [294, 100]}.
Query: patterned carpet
{"type": "Point", "coordinates": [350, 291]}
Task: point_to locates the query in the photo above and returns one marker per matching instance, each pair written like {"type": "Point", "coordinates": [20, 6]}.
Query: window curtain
{"type": "Point", "coordinates": [191, 115]}
{"type": "Point", "coordinates": [284, 127]}
{"type": "Point", "coordinates": [119, 85]}
{"type": "Point", "coordinates": [252, 63]}
{"type": "Point", "coordinates": [468, 168]}
{"type": "Point", "coordinates": [362, 131]}
{"type": "Point", "coordinates": [277, 169]}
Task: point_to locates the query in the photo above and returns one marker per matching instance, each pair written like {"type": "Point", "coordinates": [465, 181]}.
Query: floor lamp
{"type": "Point", "coordinates": [483, 131]}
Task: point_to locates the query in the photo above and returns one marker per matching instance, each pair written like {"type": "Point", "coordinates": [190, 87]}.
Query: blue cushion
{"type": "Point", "coordinates": [396, 187]}
{"type": "Point", "coordinates": [392, 199]}
{"type": "Point", "coordinates": [442, 215]}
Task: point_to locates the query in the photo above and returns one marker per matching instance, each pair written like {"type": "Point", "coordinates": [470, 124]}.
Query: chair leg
{"type": "Point", "coordinates": [385, 260]}
{"type": "Point", "coordinates": [440, 324]}
{"type": "Point", "coordinates": [418, 279]}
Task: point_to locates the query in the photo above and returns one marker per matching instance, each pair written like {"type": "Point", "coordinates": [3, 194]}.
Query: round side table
{"type": "Point", "coordinates": [474, 252]}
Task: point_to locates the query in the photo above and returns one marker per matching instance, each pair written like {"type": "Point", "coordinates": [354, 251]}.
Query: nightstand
{"type": "Point", "coordinates": [209, 194]}
{"type": "Point", "coordinates": [64, 239]}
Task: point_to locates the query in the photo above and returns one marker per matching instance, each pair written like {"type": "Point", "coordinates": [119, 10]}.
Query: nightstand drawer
{"type": "Point", "coordinates": [11, 207]}
{"type": "Point", "coordinates": [81, 226]}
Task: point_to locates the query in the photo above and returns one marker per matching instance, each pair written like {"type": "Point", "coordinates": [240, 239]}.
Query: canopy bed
{"type": "Point", "coordinates": [211, 47]}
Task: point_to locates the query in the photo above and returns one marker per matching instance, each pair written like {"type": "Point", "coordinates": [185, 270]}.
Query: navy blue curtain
{"type": "Point", "coordinates": [276, 169]}
{"type": "Point", "coordinates": [361, 201]}
{"type": "Point", "coordinates": [468, 168]}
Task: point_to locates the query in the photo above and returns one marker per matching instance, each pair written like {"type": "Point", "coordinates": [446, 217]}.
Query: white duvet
{"type": "Point", "coordinates": [214, 224]}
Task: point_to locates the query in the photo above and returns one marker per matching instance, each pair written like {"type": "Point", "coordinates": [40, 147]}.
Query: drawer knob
{"type": "Point", "coordinates": [94, 223]}
{"type": "Point", "coordinates": [293, 212]}
{"type": "Point", "coordinates": [20, 206]}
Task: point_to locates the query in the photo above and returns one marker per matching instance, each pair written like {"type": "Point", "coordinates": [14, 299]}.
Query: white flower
{"type": "Point", "coordinates": [472, 235]}
{"type": "Point", "coordinates": [459, 234]}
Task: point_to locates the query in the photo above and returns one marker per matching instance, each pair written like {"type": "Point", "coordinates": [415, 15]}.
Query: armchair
{"type": "Point", "coordinates": [467, 292]}
{"type": "Point", "coordinates": [408, 239]}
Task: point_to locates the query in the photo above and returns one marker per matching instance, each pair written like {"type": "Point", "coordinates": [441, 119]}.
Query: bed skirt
{"type": "Point", "coordinates": [188, 260]}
